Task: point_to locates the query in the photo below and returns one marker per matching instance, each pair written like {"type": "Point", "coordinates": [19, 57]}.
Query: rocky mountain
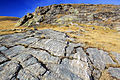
{"type": "Point", "coordinates": [62, 52]}
{"type": "Point", "coordinates": [102, 15]}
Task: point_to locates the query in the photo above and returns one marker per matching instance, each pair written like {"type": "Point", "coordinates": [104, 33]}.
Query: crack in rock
{"type": "Point", "coordinates": [16, 73]}
{"type": "Point", "coordinates": [3, 58]}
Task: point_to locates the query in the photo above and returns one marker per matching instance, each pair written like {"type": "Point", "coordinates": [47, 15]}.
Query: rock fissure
{"type": "Point", "coordinates": [4, 55]}
{"type": "Point", "coordinates": [66, 48]}
{"type": "Point", "coordinates": [4, 61]}
{"type": "Point", "coordinates": [62, 57]}
{"type": "Point", "coordinates": [44, 66]}
{"type": "Point", "coordinates": [16, 73]}
{"type": "Point", "coordinates": [6, 58]}
{"type": "Point", "coordinates": [7, 46]}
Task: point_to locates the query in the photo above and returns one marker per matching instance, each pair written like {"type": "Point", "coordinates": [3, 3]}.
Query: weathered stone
{"type": "Point", "coordinates": [71, 49]}
{"type": "Point", "coordinates": [2, 58]}
{"type": "Point", "coordinates": [9, 40]}
{"type": "Point", "coordinates": [51, 76]}
{"type": "Point", "coordinates": [67, 74]}
{"type": "Point", "coordinates": [66, 19]}
{"type": "Point", "coordinates": [36, 69]}
{"type": "Point", "coordinates": [24, 19]}
{"type": "Point", "coordinates": [14, 51]}
{"type": "Point", "coordinates": [114, 72]}
{"type": "Point", "coordinates": [3, 48]}
{"type": "Point", "coordinates": [44, 56]}
{"type": "Point", "coordinates": [51, 57]}
{"type": "Point", "coordinates": [29, 15]}
{"type": "Point", "coordinates": [27, 41]}
{"type": "Point", "coordinates": [10, 71]}
{"type": "Point", "coordinates": [29, 62]}
{"type": "Point", "coordinates": [78, 67]}
{"type": "Point", "coordinates": [22, 57]}
{"type": "Point", "coordinates": [80, 55]}
{"type": "Point", "coordinates": [3, 65]}
{"type": "Point", "coordinates": [29, 23]}
{"type": "Point", "coordinates": [103, 15]}
{"type": "Point", "coordinates": [56, 48]}
{"type": "Point", "coordinates": [51, 34]}
{"type": "Point", "coordinates": [71, 70]}
{"type": "Point", "coordinates": [38, 18]}
{"type": "Point", "coordinates": [26, 75]}
{"type": "Point", "coordinates": [99, 58]}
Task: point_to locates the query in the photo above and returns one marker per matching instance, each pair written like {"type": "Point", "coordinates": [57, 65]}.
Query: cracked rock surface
{"type": "Point", "coordinates": [47, 55]}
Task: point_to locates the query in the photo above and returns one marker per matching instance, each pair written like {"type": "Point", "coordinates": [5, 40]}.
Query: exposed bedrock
{"type": "Point", "coordinates": [47, 55]}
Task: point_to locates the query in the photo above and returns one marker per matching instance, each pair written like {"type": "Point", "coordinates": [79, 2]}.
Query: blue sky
{"type": "Point", "coordinates": [19, 8]}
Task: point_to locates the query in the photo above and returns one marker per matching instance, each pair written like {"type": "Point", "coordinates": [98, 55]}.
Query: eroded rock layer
{"type": "Point", "coordinates": [47, 55]}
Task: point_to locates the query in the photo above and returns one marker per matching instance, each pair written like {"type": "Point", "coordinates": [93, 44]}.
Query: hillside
{"type": "Point", "coordinates": [94, 23]}
{"type": "Point", "coordinates": [62, 42]}
{"type": "Point", "coordinates": [7, 22]}
{"type": "Point", "coordinates": [64, 14]}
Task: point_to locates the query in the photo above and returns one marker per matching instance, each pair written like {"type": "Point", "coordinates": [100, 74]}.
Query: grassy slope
{"type": "Point", "coordinates": [4, 18]}
{"type": "Point", "coordinates": [7, 23]}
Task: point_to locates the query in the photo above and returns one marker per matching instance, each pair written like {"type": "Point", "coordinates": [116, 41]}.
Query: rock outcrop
{"type": "Point", "coordinates": [48, 55]}
{"type": "Point", "coordinates": [102, 15]}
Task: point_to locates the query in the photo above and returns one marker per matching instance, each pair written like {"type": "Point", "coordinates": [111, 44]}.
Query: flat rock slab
{"type": "Point", "coordinates": [9, 40]}
{"type": "Point", "coordinates": [44, 56]}
{"type": "Point", "coordinates": [99, 58]}
{"type": "Point", "coordinates": [27, 41]}
{"type": "Point", "coordinates": [14, 51]}
{"type": "Point", "coordinates": [51, 34]}
{"type": "Point", "coordinates": [47, 55]}
{"type": "Point", "coordinates": [56, 48]}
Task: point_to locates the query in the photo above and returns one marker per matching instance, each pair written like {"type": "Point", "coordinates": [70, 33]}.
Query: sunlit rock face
{"type": "Point", "coordinates": [102, 15]}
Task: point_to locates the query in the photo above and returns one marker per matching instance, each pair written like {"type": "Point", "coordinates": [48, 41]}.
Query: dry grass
{"type": "Point", "coordinates": [101, 37]}
{"type": "Point", "coordinates": [4, 18]}
{"type": "Point", "coordinates": [106, 76]}
{"type": "Point", "coordinates": [57, 28]}
{"type": "Point", "coordinates": [7, 23]}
